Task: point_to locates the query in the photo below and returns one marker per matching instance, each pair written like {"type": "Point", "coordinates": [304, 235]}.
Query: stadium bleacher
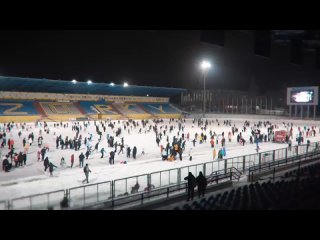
{"type": "Point", "coordinates": [58, 100]}
{"type": "Point", "coordinates": [64, 111]}
{"type": "Point", "coordinates": [299, 189]}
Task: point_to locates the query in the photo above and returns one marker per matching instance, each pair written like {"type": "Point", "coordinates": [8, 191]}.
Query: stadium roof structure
{"type": "Point", "coordinates": [19, 84]}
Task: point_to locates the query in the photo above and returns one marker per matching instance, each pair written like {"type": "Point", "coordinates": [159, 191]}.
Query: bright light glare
{"type": "Point", "coordinates": [125, 84]}
{"type": "Point", "coordinates": [205, 65]}
{"type": "Point", "coordinates": [112, 84]}
{"type": "Point", "coordinates": [74, 81]}
{"type": "Point", "coordinates": [89, 82]}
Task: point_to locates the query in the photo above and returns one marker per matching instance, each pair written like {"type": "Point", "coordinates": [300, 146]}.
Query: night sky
{"type": "Point", "coordinates": [144, 57]}
{"type": "Point", "coordinates": [141, 57]}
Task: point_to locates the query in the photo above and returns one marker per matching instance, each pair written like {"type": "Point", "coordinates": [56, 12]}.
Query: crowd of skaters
{"type": "Point", "coordinates": [14, 159]}
{"type": "Point", "coordinates": [85, 143]}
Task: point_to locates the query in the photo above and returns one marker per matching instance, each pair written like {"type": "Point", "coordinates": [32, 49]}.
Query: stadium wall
{"type": "Point", "coordinates": [78, 97]}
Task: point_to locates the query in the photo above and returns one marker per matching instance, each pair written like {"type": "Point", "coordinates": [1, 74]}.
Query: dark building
{"type": "Point", "coordinates": [258, 65]}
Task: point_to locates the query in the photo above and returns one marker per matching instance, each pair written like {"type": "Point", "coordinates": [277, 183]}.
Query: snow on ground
{"type": "Point", "coordinates": [32, 179]}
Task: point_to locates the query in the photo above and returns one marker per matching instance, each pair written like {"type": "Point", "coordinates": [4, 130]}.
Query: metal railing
{"type": "Point", "coordinates": [314, 154]}
{"type": "Point", "coordinates": [49, 200]}
{"type": "Point", "coordinates": [88, 194]}
{"type": "Point", "coordinates": [164, 192]}
{"type": "Point", "coordinates": [3, 205]}
{"type": "Point", "coordinates": [97, 192]}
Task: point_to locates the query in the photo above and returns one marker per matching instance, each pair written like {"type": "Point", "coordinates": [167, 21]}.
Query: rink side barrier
{"type": "Point", "coordinates": [255, 173]}
{"type": "Point", "coordinates": [43, 201]}
{"type": "Point", "coordinates": [218, 179]}
{"type": "Point", "coordinates": [3, 205]}
{"type": "Point", "coordinates": [20, 119]}
{"type": "Point", "coordinates": [124, 187]}
{"type": "Point", "coordinates": [88, 194]}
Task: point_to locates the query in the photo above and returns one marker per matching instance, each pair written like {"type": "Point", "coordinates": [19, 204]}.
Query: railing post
{"type": "Point", "coordinates": [286, 155]}
{"type": "Point", "coordinates": [167, 192]}
{"type": "Point", "coordinates": [67, 195]}
{"type": "Point", "coordinates": [225, 166]}
{"type": "Point", "coordinates": [204, 169]}
{"type": "Point", "coordinates": [230, 174]}
{"type": "Point", "coordinates": [259, 162]}
{"type": "Point", "coordinates": [97, 193]}
{"type": "Point", "coordinates": [179, 176]}
{"type": "Point", "coordinates": [149, 180]}
{"type": "Point", "coordinates": [243, 164]}
{"type": "Point", "coordinates": [274, 155]}
{"type": "Point", "coordinates": [112, 190]}
{"type": "Point", "coordinates": [48, 200]}
{"type": "Point", "coordinates": [141, 198]}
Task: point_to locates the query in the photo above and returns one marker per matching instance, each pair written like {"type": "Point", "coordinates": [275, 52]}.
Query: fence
{"type": "Point", "coordinates": [123, 188]}
{"type": "Point", "coordinates": [164, 192]}
{"type": "Point", "coordinates": [281, 163]}
{"type": "Point", "coordinates": [3, 205]}
{"type": "Point", "coordinates": [49, 200]}
{"type": "Point", "coordinates": [128, 185]}
{"type": "Point", "coordinates": [88, 194]}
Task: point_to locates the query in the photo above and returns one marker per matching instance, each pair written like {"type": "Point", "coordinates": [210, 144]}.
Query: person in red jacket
{"type": "Point", "coordinates": [15, 158]}
{"type": "Point", "coordinates": [11, 143]}
{"type": "Point", "coordinates": [72, 160]}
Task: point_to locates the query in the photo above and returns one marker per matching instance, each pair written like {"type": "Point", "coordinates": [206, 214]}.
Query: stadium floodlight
{"type": "Point", "coordinates": [205, 66]}
{"type": "Point", "coordinates": [125, 84]}
{"type": "Point", "coordinates": [89, 82]}
{"type": "Point", "coordinates": [111, 84]}
{"type": "Point", "coordinates": [147, 95]}
{"type": "Point", "coordinates": [74, 81]}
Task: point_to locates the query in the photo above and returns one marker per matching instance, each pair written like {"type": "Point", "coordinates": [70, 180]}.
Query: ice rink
{"type": "Point", "coordinates": [32, 179]}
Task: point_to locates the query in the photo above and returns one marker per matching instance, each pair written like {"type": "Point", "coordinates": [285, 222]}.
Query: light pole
{"type": "Point", "coordinates": [205, 66]}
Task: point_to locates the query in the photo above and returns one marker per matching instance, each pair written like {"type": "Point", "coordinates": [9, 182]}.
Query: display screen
{"type": "Point", "coordinates": [306, 96]}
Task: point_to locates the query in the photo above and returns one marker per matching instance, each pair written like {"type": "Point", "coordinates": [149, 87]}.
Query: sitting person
{"type": "Point", "coordinates": [135, 188]}
{"type": "Point", "coordinates": [149, 187]}
{"type": "Point", "coordinates": [6, 166]}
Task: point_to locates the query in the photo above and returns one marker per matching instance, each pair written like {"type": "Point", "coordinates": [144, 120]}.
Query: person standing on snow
{"type": "Point", "coordinates": [86, 171]}
{"type": "Point", "coordinates": [134, 152]}
{"type": "Point", "coordinates": [111, 158]}
{"type": "Point", "coordinates": [102, 152]}
{"type": "Point", "coordinates": [81, 157]}
{"type": "Point", "coordinates": [46, 163]}
{"type": "Point", "coordinates": [51, 168]}
{"type": "Point", "coordinates": [62, 162]}
{"type": "Point", "coordinates": [128, 152]}
{"type": "Point", "coordinates": [72, 160]}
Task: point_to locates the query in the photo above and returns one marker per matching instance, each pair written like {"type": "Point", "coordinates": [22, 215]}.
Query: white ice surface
{"type": "Point", "coordinates": [32, 179]}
